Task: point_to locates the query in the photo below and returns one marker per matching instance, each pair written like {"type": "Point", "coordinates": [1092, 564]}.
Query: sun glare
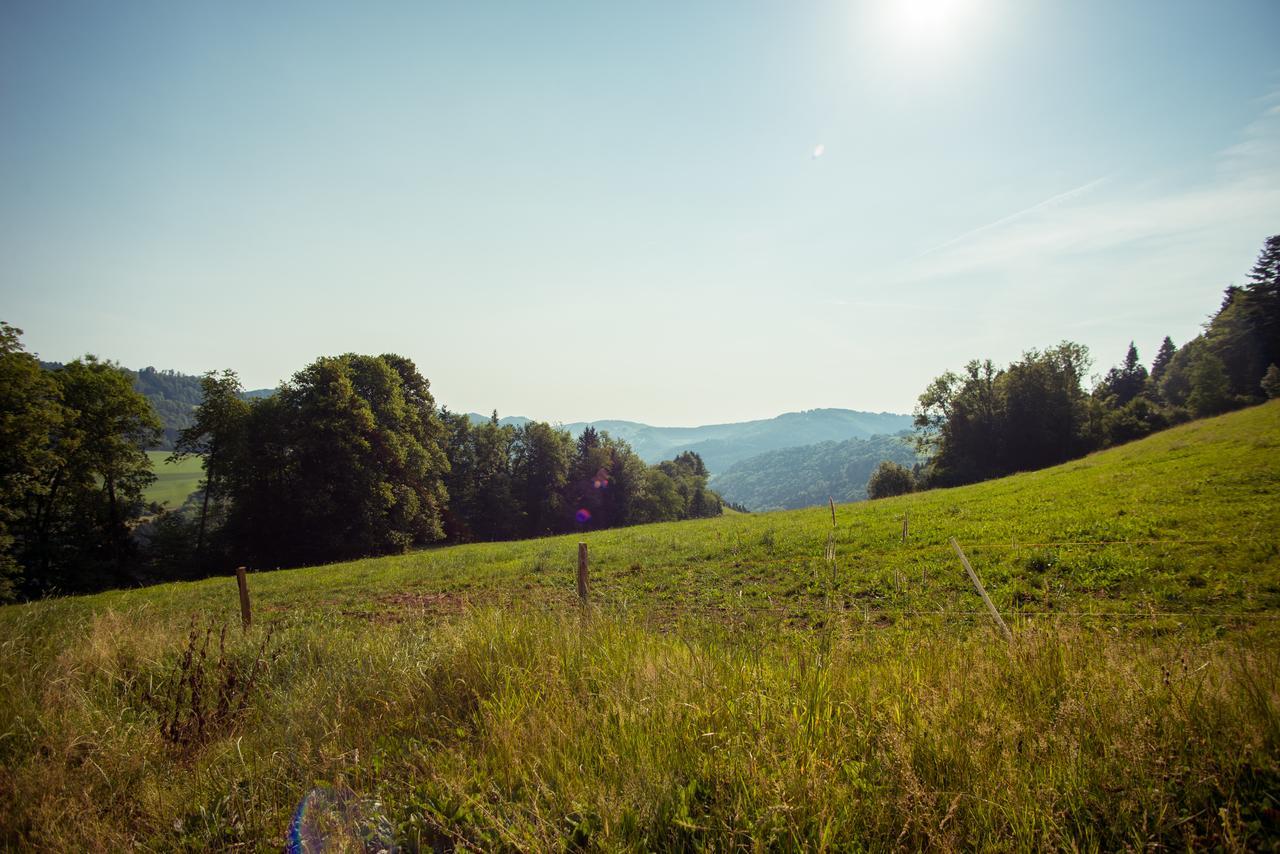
{"type": "Point", "coordinates": [927, 24]}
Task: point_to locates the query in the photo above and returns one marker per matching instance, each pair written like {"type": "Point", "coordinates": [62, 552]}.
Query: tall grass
{"type": "Point", "coordinates": [537, 731]}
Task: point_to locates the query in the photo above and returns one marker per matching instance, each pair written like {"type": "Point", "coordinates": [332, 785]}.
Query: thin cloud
{"type": "Point", "coordinates": [1244, 191]}
{"type": "Point", "coordinates": [882, 305]}
{"type": "Point", "coordinates": [1014, 217]}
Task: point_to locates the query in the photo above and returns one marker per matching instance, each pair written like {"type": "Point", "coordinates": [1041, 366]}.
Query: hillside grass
{"type": "Point", "coordinates": [174, 481]}
{"type": "Point", "coordinates": [724, 690]}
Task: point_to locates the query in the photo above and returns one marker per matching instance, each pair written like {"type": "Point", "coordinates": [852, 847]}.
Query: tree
{"type": "Point", "coordinates": [541, 456]}
{"type": "Point", "coordinates": [1235, 338]}
{"type": "Point", "coordinates": [1263, 307]}
{"type": "Point", "coordinates": [628, 482]}
{"type": "Point", "coordinates": [460, 483]}
{"type": "Point", "coordinates": [660, 500]}
{"type": "Point", "coordinates": [214, 436]}
{"type": "Point", "coordinates": [93, 491]}
{"type": "Point", "coordinates": [1045, 408]}
{"type": "Point", "coordinates": [890, 479]}
{"type": "Point", "coordinates": [988, 422]}
{"type": "Point", "coordinates": [1163, 357]}
{"type": "Point", "coordinates": [1175, 380]}
{"type": "Point", "coordinates": [344, 461]}
{"type": "Point", "coordinates": [589, 487]}
{"type": "Point", "coordinates": [30, 411]}
{"type": "Point", "coordinates": [1125, 382]}
{"type": "Point", "coordinates": [1209, 394]}
{"type": "Point", "coordinates": [497, 514]}
{"type": "Point", "coordinates": [1271, 382]}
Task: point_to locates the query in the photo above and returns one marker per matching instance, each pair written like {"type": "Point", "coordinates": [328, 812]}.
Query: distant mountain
{"type": "Point", "coordinates": [173, 396]}
{"type": "Point", "coordinates": [722, 445]}
{"type": "Point", "coordinates": [806, 476]}
{"type": "Point", "coordinates": [507, 421]}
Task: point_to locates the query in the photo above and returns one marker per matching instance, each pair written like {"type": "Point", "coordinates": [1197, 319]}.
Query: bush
{"type": "Point", "coordinates": [890, 479]}
{"type": "Point", "coordinates": [1271, 382]}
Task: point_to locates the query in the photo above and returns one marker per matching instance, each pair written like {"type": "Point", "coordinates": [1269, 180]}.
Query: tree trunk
{"type": "Point", "coordinates": [113, 521]}
{"type": "Point", "coordinates": [204, 507]}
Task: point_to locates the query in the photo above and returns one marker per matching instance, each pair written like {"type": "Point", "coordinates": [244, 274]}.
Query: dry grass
{"type": "Point", "coordinates": [530, 731]}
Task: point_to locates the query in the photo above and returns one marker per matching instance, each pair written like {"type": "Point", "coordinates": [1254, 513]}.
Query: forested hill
{"type": "Point", "coordinates": [790, 478]}
{"type": "Point", "coordinates": [173, 396]}
{"type": "Point", "coordinates": [723, 445]}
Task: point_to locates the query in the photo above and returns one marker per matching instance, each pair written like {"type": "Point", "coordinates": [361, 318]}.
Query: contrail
{"type": "Point", "coordinates": [1049, 202]}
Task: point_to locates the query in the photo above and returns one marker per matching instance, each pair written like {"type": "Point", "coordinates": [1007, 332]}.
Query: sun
{"type": "Point", "coordinates": [927, 24]}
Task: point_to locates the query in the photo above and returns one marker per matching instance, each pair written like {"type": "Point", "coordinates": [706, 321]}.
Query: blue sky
{"type": "Point", "coordinates": [599, 210]}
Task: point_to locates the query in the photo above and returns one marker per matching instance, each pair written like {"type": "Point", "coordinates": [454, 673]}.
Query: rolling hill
{"type": "Point", "coordinates": [722, 445]}
{"type": "Point", "coordinates": [728, 685]}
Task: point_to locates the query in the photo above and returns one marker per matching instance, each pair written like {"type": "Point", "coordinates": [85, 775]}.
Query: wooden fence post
{"type": "Point", "coordinates": [906, 519]}
{"type": "Point", "coordinates": [832, 502]}
{"type": "Point", "coordinates": [582, 572]}
{"type": "Point", "coordinates": [973, 576]}
{"type": "Point", "coordinates": [243, 583]}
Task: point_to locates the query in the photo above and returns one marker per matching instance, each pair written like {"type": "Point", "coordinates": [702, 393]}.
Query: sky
{"type": "Point", "coordinates": [677, 213]}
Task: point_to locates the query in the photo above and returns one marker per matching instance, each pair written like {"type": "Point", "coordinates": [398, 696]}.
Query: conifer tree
{"type": "Point", "coordinates": [1163, 357]}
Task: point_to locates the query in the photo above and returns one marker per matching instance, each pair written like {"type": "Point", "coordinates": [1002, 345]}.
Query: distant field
{"type": "Point", "coordinates": [726, 690]}
{"type": "Point", "coordinates": [174, 481]}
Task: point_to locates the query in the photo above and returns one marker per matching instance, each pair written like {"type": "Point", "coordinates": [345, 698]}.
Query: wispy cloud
{"type": "Point", "coordinates": [1014, 217]}
{"type": "Point", "coordinates": [1102, 215]}
{"type": "Point", "coordinates": [884, 305]}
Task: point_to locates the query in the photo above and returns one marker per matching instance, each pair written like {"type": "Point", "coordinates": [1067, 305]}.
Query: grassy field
{"type": "Point", "coordinates": [728, 688]}
{"type": "Point", "coordinates": [174, 481]}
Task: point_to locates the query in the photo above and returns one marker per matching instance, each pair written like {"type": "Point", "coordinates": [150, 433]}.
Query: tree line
{"type": "Point", "coordinates": [987, 421]}
{"type": "Point", "coordinates": [350, 458]}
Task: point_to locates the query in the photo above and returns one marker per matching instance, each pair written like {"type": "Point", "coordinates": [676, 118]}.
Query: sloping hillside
{"type": "Point", "coordinates": [811, 474]}
{"type": "Point", "coordinates": [726, 685]}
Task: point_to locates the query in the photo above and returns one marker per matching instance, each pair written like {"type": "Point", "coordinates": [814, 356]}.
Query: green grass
{"type": "Point", "coordinates": [174, 481]}
{"type": "Point", "coordinates": [723, 692]}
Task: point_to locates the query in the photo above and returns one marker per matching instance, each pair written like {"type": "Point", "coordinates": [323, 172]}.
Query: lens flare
{"type": "Point", "coordinates": [819, 150]}
{"type": "Point", "coordinates": [333, 819]}
{"type": "Point", "coordinates": [583, 516]}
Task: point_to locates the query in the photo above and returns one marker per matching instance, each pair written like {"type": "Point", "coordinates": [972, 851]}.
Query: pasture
{"type": "Point", "coordinates": [727, 687]}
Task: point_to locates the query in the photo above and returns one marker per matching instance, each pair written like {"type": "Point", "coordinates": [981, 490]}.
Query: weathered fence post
{"type": "Point", "coordinates": [906, 520]}
{"type": "Point", "coordinates": [243, 583]}
{"type": "Point", "coordinates": [832, 502]}
{"type": "Point", "coordinates": [973, 576]}
{"type": "Point", "coordinates": [582, 573]}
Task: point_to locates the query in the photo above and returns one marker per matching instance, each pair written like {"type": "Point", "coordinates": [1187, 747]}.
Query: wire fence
{"type": "Point", "coordinates": [871, 604]}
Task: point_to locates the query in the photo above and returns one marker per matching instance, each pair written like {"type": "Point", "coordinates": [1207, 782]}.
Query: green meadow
{"type": "Point", "coordinates": [728, 687]}
{"type": "Point", "coordinates": [174, 481]}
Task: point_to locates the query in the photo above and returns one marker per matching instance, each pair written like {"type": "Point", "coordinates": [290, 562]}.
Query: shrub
{"type": "Point", "coordinates": [1271, 382]}
{"type": "Point", "coordinates": [890, 479]}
